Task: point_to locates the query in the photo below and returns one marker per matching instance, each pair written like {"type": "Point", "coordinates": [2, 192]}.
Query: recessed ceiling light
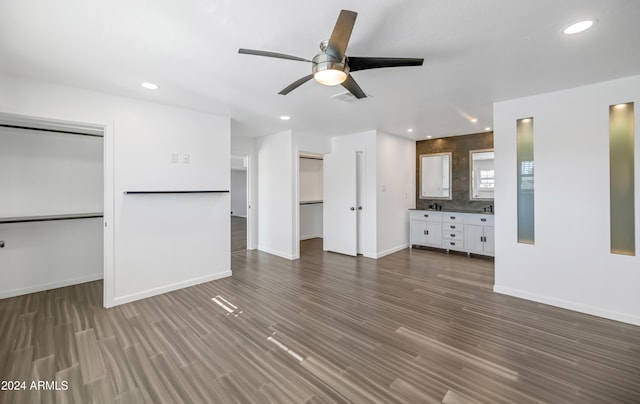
{"type": "Point", "coordinates": [473, 119]}
{"type": "Point", "coordinates": [487, 128]}
{"type": "Point", "coordinates": [149, 86]}
{"type": "Point", "coordinates": [428, 137]}
{"type": "Point", "coordinates": [285, 117]}
{"type": "Point", "coordinates": [618, 106]}
{"type": "Point", "coordinates": [578, 27]}
{"type": "Point", "coordinates": [409, 130]}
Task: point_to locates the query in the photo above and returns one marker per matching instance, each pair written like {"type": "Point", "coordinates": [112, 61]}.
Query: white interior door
{"type": "Point", "coordinates": [340, 220]}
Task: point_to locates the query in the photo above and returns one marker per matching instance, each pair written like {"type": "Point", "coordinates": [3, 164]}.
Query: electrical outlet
{"type": "Point", "coordinates": [186, 159]}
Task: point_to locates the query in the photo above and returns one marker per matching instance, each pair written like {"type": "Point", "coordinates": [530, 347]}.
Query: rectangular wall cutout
{"type": "Point", "coordinates": [526, 218]}
{"type": "Point", "coordinates": [621, 181]}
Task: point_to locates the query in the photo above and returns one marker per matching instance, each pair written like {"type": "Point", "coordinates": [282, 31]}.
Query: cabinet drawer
{"type": "Point", "coordinates": [452, 217]}
{"type": "Point", "coordinates": [425, 215]}
{"type": "Point", "coordinates": [453, 235]}
{"type": "Point", "coordinates": [453, 244]}
{"type": "Point", "coordinates": [452, 227]}
{"type": "Point", "coordinates": [479, 220]}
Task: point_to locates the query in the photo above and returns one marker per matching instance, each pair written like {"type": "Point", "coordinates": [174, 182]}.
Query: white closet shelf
{"type": "Point", "coordinates": [46, 218]}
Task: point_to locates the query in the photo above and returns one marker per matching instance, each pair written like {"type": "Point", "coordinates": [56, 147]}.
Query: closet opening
{"type": "Point", "coordinates": [52, 227]}
{"type": "Point", "coordinates": [310, 189]}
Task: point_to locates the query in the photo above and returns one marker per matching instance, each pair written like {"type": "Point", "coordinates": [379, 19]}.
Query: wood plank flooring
{"type": "Point", "coordinates": [417, 326]}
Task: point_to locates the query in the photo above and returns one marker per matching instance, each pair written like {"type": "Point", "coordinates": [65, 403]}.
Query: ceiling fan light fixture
{"type": "Point", "coordinates": [327, 71]}
{"type": "Point", "coordinates": [330, 77]}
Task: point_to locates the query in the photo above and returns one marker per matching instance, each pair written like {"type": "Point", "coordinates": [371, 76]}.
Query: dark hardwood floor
{"type": "Point", "coordinates": [414, 327]}
{"type": "Point", "coordinates": [238, 233]}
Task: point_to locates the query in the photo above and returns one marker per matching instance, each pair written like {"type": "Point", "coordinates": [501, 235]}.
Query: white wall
{"type": "Point", "coordinates": [396, 177]}
{"type": "Point", "coordinates": [160, 242]}
{"type": "Point", "coordinates": [239, 193]}
{"type": "Point", "coordinates": [275, 194]}
{"type": "Point", "coordinates": [246, 146]}
{"type": "Point", "coordinates": [367, 143]}
{"type": "Point", "coordinates": [570, 264]}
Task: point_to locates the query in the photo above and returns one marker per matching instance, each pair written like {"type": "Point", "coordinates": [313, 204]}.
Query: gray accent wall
{"type": "Point", "coordinates": [459, 146]}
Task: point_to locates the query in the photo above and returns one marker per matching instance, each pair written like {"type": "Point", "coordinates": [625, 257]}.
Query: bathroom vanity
{"type": "Point", "coordinates": [468, 232]}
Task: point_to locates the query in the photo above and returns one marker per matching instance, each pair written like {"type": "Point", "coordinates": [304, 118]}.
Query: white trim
{"type": "Point", "coordinates": [169, 288]}
{"type": "Point", "coordinates": [51, 285]}
{"type": "Point", "coordinates": [278, 253]}
{"type": "Point", "coordinates": [391, 250]}
{"type": "Point", "coordinates": [569, 305]}
{"type": "Point", "coordinates": [310, 236]}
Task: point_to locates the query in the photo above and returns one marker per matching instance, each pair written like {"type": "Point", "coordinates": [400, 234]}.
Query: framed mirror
{"type": "Point", "coordinates": [435, 176]}
{"type": "Point", "coordinates": [481, 175]}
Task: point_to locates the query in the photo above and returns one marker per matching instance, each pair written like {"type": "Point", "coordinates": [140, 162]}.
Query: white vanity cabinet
{"type": "Point", "coordinates": [456, 231]}
{"type": "Point", "coordinates": [425, 228]}
{"type": "Point", "coordinates": [479, 234]}
{"type": "Point", "coordinates": [453, 231]}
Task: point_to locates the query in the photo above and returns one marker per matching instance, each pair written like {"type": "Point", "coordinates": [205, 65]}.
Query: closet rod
{"type": "Point", "coordinates": [311, 158]}
{"type": "Point", "coordinates": [50, 130]}
{"type": "Point", "coordinates": [175, 192]}
{"type": "Point", "coordinates": [49, 218]}
{"type": "Point", "coordinates": [311, 203]}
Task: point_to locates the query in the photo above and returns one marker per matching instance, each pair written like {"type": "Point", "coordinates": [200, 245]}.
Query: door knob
{"type": "Point", "coordinates": [352, 208]}
{"type": "Point", "coordinates": [359, 207]}
{"type": "Point", "coordinates": [1, 243]}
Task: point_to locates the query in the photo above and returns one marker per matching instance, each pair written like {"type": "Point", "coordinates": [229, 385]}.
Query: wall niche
{"type": "Point", "coordinates": [459, 147]}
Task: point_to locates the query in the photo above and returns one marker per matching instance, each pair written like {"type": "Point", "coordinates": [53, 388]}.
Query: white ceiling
{"type": "Point", "coordinates": [476, 53]}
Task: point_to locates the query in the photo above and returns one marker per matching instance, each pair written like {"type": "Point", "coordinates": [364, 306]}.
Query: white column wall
{"type": "Point", "coordinates": [570, 265]}
{"type": "Point", "coordinates": [396, 177]}
{"type": "Point", "coordinates": [275, 194]}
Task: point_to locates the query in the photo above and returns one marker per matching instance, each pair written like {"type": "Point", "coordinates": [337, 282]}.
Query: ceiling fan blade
{"type": "Point", "coordinates": [295, 84]}
{"type": "Point", "coordinates": [270, 54]}
{"type": "Point", "coordinates": [364, 63]}
{"type": "Point", "coordinates": [341, 33]}
{"type": "Point", "coordinates": [353, 87]}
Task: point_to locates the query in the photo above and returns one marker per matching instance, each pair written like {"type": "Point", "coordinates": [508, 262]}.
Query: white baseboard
{"type": "Point", "coordinates": [310, 236]}
{"type": "Point", "coordinates": [391, 250]}
{"type": "Point", "coordinates": [169, 288]}
{"type": "Point", "coordinates": [566, 304]}
{"type": "Point", "coordinates": [50, 285]}
{"type": "Point", "coordinates": [277, 253]}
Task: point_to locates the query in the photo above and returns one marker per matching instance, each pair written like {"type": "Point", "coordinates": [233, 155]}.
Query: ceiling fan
{"type": "Point", "coordinates": [331, 66]}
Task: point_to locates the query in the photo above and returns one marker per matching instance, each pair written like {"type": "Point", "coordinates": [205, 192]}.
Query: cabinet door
{"type": "Point", "coordinates": [434, 233]}
{"type": "Point", "coordinates": [473, 238]}
{"type": "Point", "coordinates": [489, 241]}
{"type": "Point", "coordinates": [418, 230]}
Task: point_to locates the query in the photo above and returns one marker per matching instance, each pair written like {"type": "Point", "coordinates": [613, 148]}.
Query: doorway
{"type": "Point", "coordinates": [310, 189]}
{"type": "Point", "coordinates": [239, 188]}
{"type": "Point", "coordinates": [53, 218]}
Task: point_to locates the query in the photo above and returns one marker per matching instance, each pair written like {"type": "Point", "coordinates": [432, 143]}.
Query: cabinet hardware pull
{"type": "Point", "coordinates": [483, 220]}
{"type": "Point", "coordinates": [452, 243]}
{"type": "Point", "coordinates": [453, 235]}
{"type": "Point", "coordinates": [426, 215]}
{"type": "Point", "coordinates": [452, 217]}
{"type": "Point", "coordinates": [425, 232]}
{"type": "Point", "coordinates": [453, 227]}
